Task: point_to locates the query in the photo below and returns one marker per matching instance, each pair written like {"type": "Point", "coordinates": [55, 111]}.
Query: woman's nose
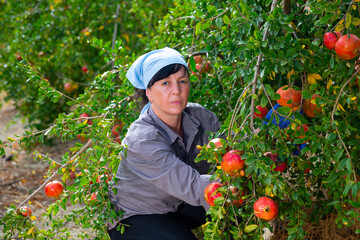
{"type": "Point", "coordinates": [176, 88]}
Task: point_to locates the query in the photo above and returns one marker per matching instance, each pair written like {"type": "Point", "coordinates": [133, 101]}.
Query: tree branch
{"type": "Point", "coordinates": [115, 32]}
{"type": "Point", "coordinates": [257, 70]}
{"type": "Point", "coordinates": [286, 6]}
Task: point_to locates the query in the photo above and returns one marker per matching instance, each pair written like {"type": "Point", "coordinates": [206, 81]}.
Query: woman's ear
{"type": "Point", "coordinates": [148, 94]}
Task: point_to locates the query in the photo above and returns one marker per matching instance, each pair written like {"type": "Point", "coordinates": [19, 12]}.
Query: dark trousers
{"type": "Point", "coordinates": [171, 226]}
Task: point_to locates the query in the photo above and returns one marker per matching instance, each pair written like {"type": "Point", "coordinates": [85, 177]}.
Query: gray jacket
{"type": "Point", "coordinates": [157, 171]}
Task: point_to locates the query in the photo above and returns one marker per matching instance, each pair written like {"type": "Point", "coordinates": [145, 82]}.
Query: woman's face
{"type": "Point", "coordinates": [169, 96]}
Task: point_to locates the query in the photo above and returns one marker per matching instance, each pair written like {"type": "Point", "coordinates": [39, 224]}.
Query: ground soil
{"type": "Point", "coordinates": [20, 174]}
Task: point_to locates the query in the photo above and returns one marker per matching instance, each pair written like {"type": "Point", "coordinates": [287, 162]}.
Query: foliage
{"type": "Point", "coordinates": [254, 48]}
{"type": "Point", "coordinates": [54, 37]}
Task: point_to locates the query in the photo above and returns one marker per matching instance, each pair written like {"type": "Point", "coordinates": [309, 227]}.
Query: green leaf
{"type": "Point", "coordinates": [355, 204]}
{"type": "Point", "coordinates": [250, 228]}
{"type": "Point", "coordinates": [325, 20]}
{"type": "Point", "coordinates": [226, 19]}
{"type": "Point", "coordinates": [346, 190]}
{"type": "Point", "coordinates": [264, 101]}
{"type": "Point", "coordinates": [284, 110]}
{"type": "Point", "coordinates": [348, 164]}
{"type": "Point", "coordinates": [211, 9]}
{"type": "Point", "coordinates": [245, 9]}
{"type": "Point", "coordinates": [269, 91]}
{"type": "Point", "coordinates": [198, 28]}
{"type": "Point", "coordinates": [219, 22]}
{"type": "Point", "coordinates": [55, 209]}
{"type": "Point", "coordinates": [338, 154]}
{"type": "Point", "coordinates": [354, 190]}
{"type": "Point", "coordinates": [307, 94]}
{"type": "Point", "coordinates": [192, 63]}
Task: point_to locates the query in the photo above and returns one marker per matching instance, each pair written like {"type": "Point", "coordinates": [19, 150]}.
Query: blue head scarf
{"type": "Point", "coordinates": [146, 66]}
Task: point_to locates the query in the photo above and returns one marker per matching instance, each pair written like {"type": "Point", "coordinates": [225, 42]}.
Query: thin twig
{"type": "Point", "coordinates": [236, 109]}
{"type": "Point", "coordinates": [341, 90]}
{"type": "Point", "coordinates": [115, 32]}
{"type": "Point", "coordinates": [257, 70]}
{"type": "Point", "coordinates": [336, 128]}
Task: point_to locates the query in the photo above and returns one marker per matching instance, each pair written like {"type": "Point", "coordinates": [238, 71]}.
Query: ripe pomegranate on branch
{"type": "Point", "coordinates": [347, 47]}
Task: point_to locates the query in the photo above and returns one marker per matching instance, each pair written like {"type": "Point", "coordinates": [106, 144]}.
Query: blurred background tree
{"type": "Point", "coordinates": [54, 36]}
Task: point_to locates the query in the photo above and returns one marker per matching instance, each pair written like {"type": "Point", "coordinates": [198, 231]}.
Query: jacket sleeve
{"type": "Point", "coordinates": [155, 162]}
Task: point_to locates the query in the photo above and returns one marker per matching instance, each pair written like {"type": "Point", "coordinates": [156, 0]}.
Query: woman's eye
{"type": "Point", "coordinates": [164, 83]}
{"type": "Point", "coordinates": [183, 81]}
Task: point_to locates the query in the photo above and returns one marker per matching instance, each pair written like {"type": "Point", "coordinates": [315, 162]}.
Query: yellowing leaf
{"type": "Point", "coordinates": [316, 76]}
{"type": "Point", "coordinates": [261, 91]}
{"type": "Point", "coordinates": [294, 26]}
{"type": "Point", "coordinates": [268, 191]}
{"type": "Point", "coordinates": [250, 228]}
{"type": "Point", "coordinates": [353, 98]}
{"type": "Point", "coordinates": [355, 21]}
{"type": "Point", "coordinates": [101, 27]}
{"type": "Point", "coordinates": [243, 97]}
{"type": "Point", "coordinates": [203, 226]}
{"type": "Point", "coordinates": [329, 83]}
{"type": "Point", "coordinates": [348, 20]}
{"type": "Point", "coordinates": [292, 72]}
{"type": "Point", "coordinates": [32, 217]}
{"type": "Point", "coordinates": [272, 75]}
{"type": "Point", "coordinates": [339, 27]}
{"type": "Point", "coordinates": [340, 107]}
{"type": "Point", "coordinates": [218, 167]}
{"type": "Point", "coordinates": [31, 230]}
{"type": "Point", "coordinates": [311, 79]}
{"type": "Point", "coordinates": [63, 170]}
{"type": "Point", "coordinates": [126, 37]}
{"type": "Point", "coordinates": [51, 7]}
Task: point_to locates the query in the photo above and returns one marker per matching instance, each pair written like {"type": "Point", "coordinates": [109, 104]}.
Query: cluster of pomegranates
{"type": "Point", "coordinates": [233, 165]}
{"type": "Point", "coordinates": [346, 46]}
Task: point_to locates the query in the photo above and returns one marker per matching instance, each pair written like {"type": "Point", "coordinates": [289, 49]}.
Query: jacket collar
{"type": "Point", "coordinates": [190, 125]}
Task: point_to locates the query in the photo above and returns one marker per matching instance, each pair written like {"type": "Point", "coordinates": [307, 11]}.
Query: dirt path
{"type": "Point", "coordinates": [20, 174]}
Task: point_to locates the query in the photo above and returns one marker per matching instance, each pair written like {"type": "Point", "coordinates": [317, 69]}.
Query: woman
{"type": "Point", "coordinates": [161, 187]}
